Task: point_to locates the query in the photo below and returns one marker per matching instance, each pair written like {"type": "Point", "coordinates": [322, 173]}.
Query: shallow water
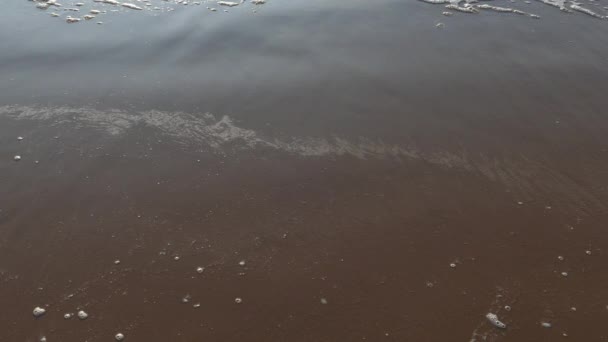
{"type": "Point", "coordinates": [382, 178]}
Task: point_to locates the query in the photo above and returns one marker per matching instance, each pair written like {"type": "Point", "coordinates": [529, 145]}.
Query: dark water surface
{"type": "Point", "coordinates": [348, 151]}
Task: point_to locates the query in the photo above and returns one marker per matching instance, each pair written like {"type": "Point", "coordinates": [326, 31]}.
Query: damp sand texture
{"type": "Point", "coordinates": [303, 170]}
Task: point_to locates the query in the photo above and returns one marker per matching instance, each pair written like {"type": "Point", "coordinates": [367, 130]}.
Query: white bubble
{"type": "Point", "coordinates": [493, 318]}
{"type": "Point", "coordinates": [38, 311]}
{"type": "Point", "coordinates": [82, 315]}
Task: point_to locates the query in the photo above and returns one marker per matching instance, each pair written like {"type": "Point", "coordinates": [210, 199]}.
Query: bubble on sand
{"type": "Point", "coordinates": [68, 315]}
{"type": "Point", "coordinates": [238, 300]}
{"type": "Point", "coordinates": [186, 299]}
{"type": "Point", "coordinates": [242, 263]}
{"type": "Point", "coordinates": [564, 274]}
{"type": "Point", "coordinates": [573, 308]}
{"type": "Point", "coordinates": [176, 258]}
{"type": "Point", "coordinates": [17, 158]}
{"type": "Point", "coordinates": [19, 138]}
{"type": "Point", "coordinates": [82, 315]}
{"type": "Point", "coordinates": [119, 337]}
{"type": "Point", "coordinates": [197, 305]}
{"type": "Point", "coordinates": [200, 270]}
{"type": "Point", "coordinates": [323, 301]}
{"type": "Point", "coordinates": [440, 25]}
{"type": "Point", "coordinates": [588, 252]}
{"type": "Point", "coordinates": [453, 265]}
{"type": "Point", "coordinates": [507, 308]}
{"type": "Point", "coordinates": [116, 262]}
{"type": "Point", "coordinates": [493, 319]}
{"type": "Point", "coordinates": [560, 258]}
{"type": "Point", "coordinates": [43, 339]}
{"type": "Point", "coordinates": [545, 324]}
{"type": "Point", "coordinates": [38, 311]}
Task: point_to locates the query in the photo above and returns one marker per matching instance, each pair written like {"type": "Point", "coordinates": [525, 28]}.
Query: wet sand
{"type": "Point", "coordinates": [384, 179]}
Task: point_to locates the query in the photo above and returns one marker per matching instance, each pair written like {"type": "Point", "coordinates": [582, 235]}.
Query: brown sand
{"type": "Point", "coordinates": [347, 194]}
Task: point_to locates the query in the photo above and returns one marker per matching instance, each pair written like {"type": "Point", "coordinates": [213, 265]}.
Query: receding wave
{"type": "Point", "coordinates": [526, 178]}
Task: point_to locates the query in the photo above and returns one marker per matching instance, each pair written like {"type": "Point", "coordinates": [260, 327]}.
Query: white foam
{"type": "Point", "coordinates": [436, 1]}
{"type": "Point", "coordinates": [111, 2]}
{"type": "Point", "coordinates": [465, 9]}
{"type": "Point", "coordinates": [558, 4]}
{"type": "Point", "coordinates": [505, 10]}
{"type": "Point", "coordinates": [72, 20]}
{"type": "Point", "coordinates": [589, 12]}
{"type": "Point", "coordinates": [227, 3]}
{"type": "Point", "coordinates": [131, 6]}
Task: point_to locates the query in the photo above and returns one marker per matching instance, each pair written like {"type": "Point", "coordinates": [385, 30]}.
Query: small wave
{"type": "Point", "coordinates": [525, 177]}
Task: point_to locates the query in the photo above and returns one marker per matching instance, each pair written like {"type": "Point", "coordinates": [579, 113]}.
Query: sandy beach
{"type": "Point", "coordinates": [304, 171]}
